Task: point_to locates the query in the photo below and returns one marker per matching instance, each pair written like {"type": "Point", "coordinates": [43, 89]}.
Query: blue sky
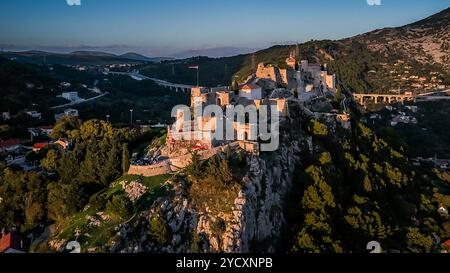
{"type": "Point", "coordinates": [164, 27]}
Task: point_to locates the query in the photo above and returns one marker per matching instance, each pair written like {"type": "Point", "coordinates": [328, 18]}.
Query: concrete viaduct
{"type": "Point", "coordinates": [380, 98]}
{"type": "Point", "coordinates": [172, 86]}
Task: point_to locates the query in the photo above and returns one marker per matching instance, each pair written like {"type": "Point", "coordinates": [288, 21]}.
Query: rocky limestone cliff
{"type": "Point", "coordinates": [258, 210]}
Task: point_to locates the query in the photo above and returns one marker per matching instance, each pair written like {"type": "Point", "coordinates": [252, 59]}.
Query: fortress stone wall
{"type": "Point", "coordinates": [172, 164]}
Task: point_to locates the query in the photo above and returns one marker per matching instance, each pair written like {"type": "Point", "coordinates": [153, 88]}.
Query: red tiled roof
{"type": "Point", "coordinates": [198, 147]}
{"type": "Point", "coordinates": [447, 244]}
{"type": "Point", "coordinates": [9, 143]}
{"type": "Point", "coordinates": [40, 145]}
{"type": "Point", "coordinates": [14, 241]}
{"type": "Point", "coordinates": [250, 86]}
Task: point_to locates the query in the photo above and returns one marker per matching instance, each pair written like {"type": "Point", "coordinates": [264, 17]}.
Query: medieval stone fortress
{"type": "Point", "coordinates": [271, 88]}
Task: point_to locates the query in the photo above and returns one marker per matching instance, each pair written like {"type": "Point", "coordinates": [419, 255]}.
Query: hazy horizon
{"type": "Point", "coordinates": [170, 28]}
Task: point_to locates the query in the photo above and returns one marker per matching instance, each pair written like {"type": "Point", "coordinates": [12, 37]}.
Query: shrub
{"type": "Point", "coordinates": [158, 230]}
{"type": "Point", "coordinates": [120, 205]}
{"type": "Point", "coordinates": [318, 129]}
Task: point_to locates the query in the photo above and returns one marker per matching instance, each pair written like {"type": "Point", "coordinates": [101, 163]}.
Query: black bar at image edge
{"type": "Point", "coordinates": [224, 262]}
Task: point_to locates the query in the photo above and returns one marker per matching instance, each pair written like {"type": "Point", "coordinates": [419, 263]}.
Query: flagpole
{"type": "Point", "coordinates": [198, 77]}
{"type": "Point", "coordinates": [197, 67]}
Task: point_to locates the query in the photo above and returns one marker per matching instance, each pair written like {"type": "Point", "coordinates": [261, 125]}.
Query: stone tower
{"type": "Point", "coordinates": [291, 61]}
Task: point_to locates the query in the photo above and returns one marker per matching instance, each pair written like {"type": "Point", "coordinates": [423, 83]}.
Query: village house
{"type": "Point", "coordinates": [34, 114]}
{"type": "Point", "coordinates": [63, 143]}
{"type": "Point", "coordinates": [443, 210]}
{"type": "Point", "coordinates": [65, 84]}
{"type": "Point", "coordinates": [13, 242]}
{"type": "Point", "coordinates": [251, 91]}
{"type": "Point", "coordinates": [40, 131]}
{"type": "Point", "coordinates": [37, 147]}
{"type": "Point", "coordinates": [67, 113]}
{"type": "Point", "coordinates": [6, 116]}
{"type": "Point", "coordinates": [70, 96]}
{"type": "Point", "coordinates": [10, 145]}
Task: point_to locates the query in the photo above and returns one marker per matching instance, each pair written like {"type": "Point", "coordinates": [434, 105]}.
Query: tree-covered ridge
{"type": "Point", "coordinates": [91, 164]}
{"type": "Point", "coordinates": [356, 189]}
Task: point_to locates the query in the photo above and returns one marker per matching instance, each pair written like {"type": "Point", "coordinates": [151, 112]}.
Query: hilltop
{"type": "Point", "coordinates": [414, 57]}
{"type": "Point", "coordinates": [426, 41]}
{"type": "Point", "coordinates": [140, 57]}
{"type": "Point", "coordinates": [78, 58]}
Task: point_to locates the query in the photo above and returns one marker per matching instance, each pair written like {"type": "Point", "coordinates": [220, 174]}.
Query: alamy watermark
{"type": "Point", "coordinates": [374, 2]}
{"type": "Point", "coordinates": [73, 2]}
{"type": "Point", "coordinates": [236, 123]}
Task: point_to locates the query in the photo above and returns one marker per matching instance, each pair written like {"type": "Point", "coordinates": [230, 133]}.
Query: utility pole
{"type": "Point", "coordinates": [131, 119]}
{"type": "Point", "coordinates": [254, 61]}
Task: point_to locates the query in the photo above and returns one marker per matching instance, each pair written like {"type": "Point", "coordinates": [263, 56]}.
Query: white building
{"type": "Point", "coordinates": [442, 210]}
{"type": "Point", "coordinates": [72, 96]}
{"type": "Point", "coordinates": [67, 113]}
{"type": "Point", "coordinates": [6, 115]}
{"type": "Point", "coordinates": [251, 91]}
{"type": "Point", "coordinates": [65, 84]}
{"type": "Point", "coordinates": [71, 112]}
{"type": "Point", "coordinates": [34, 114]}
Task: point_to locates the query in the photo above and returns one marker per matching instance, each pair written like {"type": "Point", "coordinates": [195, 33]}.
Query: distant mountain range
{"type": "Point", "coordinates": [88, 57]}
{"type": "Point", "coordinates": [217, 52]}
{"type": "Point", "coordinates": [78, 57]}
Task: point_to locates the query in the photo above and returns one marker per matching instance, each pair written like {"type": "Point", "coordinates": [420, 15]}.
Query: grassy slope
{"type": "Point", "coordinates": [103, 234]}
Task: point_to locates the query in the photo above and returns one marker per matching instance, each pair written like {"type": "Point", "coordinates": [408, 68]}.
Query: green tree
{"type": "Point", "coordinates": [125, 158]}
{"type": "Point", "coordinates": [50, 162]}
{"type": "Point", "coordinates": [63, 201]}
{"type": "Point", "coordinates": [22, 199]}
{"type": "Point", "coordinates": [64, 127]}
{"type": "Point", "coordinates": [219, 170]}
{"type": "Point", "coordinates": [418, 242]}
{"type": "Point", "coordinates": [158, 230]}
{"type": "Point", "coordinates": [195, 169]}
{"type": "Point", "coordinates": [120, 205]}
{"type": "Point", "coordinates": [318, 129]}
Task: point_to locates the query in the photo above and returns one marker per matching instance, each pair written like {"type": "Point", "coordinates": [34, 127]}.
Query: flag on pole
{"type": "Point", "coordinates": [194, 67]}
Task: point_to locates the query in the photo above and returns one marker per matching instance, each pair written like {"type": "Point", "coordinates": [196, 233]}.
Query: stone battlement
{"type": "Point", "coordinates": [173, 164]}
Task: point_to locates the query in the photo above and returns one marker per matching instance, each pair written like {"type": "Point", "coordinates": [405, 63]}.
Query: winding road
{"type": "Point", "coordinates": [140, 77]}
{"type": "Point", "coordinates": [80, 101]}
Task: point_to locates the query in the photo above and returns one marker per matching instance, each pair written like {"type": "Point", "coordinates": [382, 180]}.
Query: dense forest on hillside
{"type": "Point", "coordinates": [358, 188]}
{"type": "Point", "coordinates": [150, 102]}
{"type": "Point", "coordinates": [213, 71]}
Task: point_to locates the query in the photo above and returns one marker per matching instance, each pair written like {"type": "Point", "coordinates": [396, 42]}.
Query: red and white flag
{"type": "Point", "coordinates": [194, 67]}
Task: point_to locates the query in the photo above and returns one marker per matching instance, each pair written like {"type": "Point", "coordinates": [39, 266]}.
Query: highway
{"type": "Point", "coordinates": [80, 101]}
{"type": "Point", "coordinates": [434, 93]}
{"type": "Point", "coordinates": [137, 76]}
{"type": "Point", "coordinates": [432, 98]}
